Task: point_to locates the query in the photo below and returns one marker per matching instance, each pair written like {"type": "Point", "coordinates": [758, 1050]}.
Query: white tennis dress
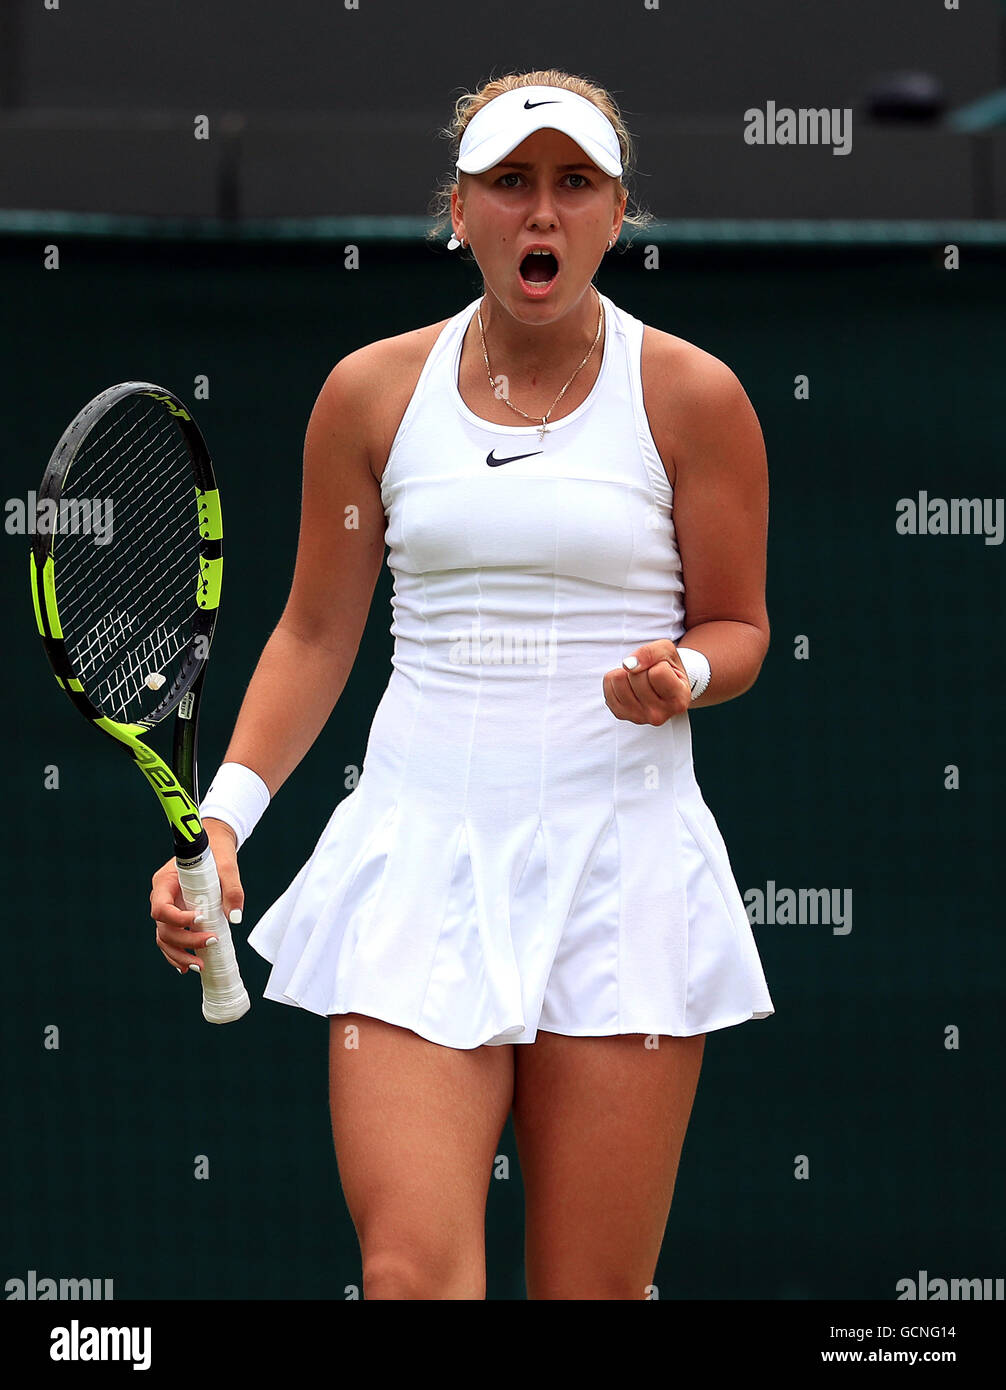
{"type": "Point", "coordinates": [514, 857]}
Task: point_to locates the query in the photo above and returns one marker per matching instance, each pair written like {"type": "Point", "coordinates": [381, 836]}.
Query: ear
{"type": "Point", "coordinates": [621, 199]}
{"type": "Point", "coordinates": [457, 213]}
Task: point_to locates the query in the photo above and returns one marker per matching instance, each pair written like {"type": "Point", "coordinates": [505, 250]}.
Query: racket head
{"type": "Point", "coordinates": [127, 613]}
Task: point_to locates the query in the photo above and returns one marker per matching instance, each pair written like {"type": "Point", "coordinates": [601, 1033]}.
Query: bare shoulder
{"type": "Point", "coordinates": [372, 386]}
{"type": "Point", "coordinates": [686, 392]}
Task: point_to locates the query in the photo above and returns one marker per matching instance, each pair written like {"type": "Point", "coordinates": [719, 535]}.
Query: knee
{"type": "Point", "coordinates": [394, 1274]}
{"type": "Point", "coordinates": [401, 1273]}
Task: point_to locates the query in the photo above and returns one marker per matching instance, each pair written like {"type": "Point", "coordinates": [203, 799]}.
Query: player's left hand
{"type": "Point", "coordinates": [654, 691]}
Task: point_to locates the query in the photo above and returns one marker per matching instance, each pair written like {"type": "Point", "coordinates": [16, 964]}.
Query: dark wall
{"type": "Point", "coordinates": [316, 56]}
{"type": "Point", "coordinates": [829, 773]}
{"type": "Point", "coordinates": [317, 110]}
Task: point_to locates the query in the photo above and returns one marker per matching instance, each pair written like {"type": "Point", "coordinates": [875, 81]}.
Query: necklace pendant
{"type": "Point", "coordinates": [541, 432]}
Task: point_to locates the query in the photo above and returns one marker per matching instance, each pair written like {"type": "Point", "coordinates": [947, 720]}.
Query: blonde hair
{"type": "Point", "coordinates": [469, 103]}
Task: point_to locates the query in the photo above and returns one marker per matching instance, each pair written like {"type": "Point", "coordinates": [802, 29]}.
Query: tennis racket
{"type": "Point", "coordinates": [126, 612]}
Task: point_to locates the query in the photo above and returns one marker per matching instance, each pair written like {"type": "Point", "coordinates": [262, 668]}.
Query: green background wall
{"type": "Point", "coordinates": [828, 774]}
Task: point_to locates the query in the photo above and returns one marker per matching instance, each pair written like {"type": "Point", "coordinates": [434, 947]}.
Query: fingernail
{"type": "Point", "coordinates": [235, 917]}
{"type": "Point", "coordinates": [630, 663]}
{"type": "Point", "coordinates": [199, 917]}
{"type": "Point", "coordinates": [196, 968]}
{"type": "Point", "coordinates": [181, 972]}
{"type": "Point", "coordinates": [210, 941]}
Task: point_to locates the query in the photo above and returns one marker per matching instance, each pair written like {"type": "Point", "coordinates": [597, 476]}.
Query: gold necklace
{"type": "Point", "coordinates": [506, 400]}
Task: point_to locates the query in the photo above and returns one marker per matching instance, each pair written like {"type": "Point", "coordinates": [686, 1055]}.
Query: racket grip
{"type": "Point", "coordinates": [224, 995]}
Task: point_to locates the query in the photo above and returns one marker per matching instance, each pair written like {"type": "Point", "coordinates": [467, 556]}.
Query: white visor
{"type": "Point", "coordinates": [507, 120]}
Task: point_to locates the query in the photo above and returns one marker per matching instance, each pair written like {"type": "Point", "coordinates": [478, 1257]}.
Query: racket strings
{"type": "Point", "coordinates": [140, 500]}
{"type": "Point", "coordinates": [127, 606]}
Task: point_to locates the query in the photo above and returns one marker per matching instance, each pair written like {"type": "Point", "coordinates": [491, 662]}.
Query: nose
{"type": "Point", "coordinates": [542, 214]}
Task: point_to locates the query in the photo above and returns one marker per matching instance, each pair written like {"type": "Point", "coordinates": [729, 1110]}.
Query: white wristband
{"type": "Point", "coordinates": [697, 669]}
{"type": "Point", "coordinates": [237, 796]}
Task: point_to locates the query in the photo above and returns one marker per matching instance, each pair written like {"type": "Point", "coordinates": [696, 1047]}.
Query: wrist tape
{"type": "Point", "coordinates": [238, 796]}
{"type": "Point", "coordinates": [697, 669]}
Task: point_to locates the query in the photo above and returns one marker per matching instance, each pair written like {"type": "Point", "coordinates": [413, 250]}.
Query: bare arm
{"type": "Point", "coordinates": [307, 660]}
{"type": "Point", "coordinates": [721, 523]}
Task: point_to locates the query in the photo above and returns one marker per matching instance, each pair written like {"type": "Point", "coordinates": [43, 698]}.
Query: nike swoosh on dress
{"type": "Point", "coordinates": [494, 462]}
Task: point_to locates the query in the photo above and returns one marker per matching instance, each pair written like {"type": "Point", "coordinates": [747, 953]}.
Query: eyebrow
{"type": "Point", "coordinates": [565, 168]}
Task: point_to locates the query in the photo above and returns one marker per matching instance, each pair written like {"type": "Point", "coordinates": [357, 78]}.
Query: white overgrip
{"type": "Point", "coordinates": [224, 995]}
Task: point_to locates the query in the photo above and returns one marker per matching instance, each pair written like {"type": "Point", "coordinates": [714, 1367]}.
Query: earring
{"type": "Point", "coordinates": [610, 245]}
{"type": "Point", "coordinates": [453, 244]}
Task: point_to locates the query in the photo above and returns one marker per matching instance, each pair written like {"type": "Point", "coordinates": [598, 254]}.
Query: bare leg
{"type": "Point", "coordinates": [415, 1127]}
{"type": "Point", "coordinates": [599, 1124]}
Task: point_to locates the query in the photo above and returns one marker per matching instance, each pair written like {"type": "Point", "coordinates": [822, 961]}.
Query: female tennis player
{"type": "Point", "coordinates": [525, 903]}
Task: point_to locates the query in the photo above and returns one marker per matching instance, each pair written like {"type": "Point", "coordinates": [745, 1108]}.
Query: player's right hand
{"type": "Point", "coordinates": [178, 934]}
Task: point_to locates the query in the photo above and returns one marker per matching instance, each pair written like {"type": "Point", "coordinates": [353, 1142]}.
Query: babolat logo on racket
{"type": "Point", "coordinates": [181, 809]}
{"type": "Point", "coordinates": [173, 407]}
{"type": "Point", "coordinates": [185, 705]}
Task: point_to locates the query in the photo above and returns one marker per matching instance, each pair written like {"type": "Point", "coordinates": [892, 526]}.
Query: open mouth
{"type": "Point", "coordinates": [539, 269]}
